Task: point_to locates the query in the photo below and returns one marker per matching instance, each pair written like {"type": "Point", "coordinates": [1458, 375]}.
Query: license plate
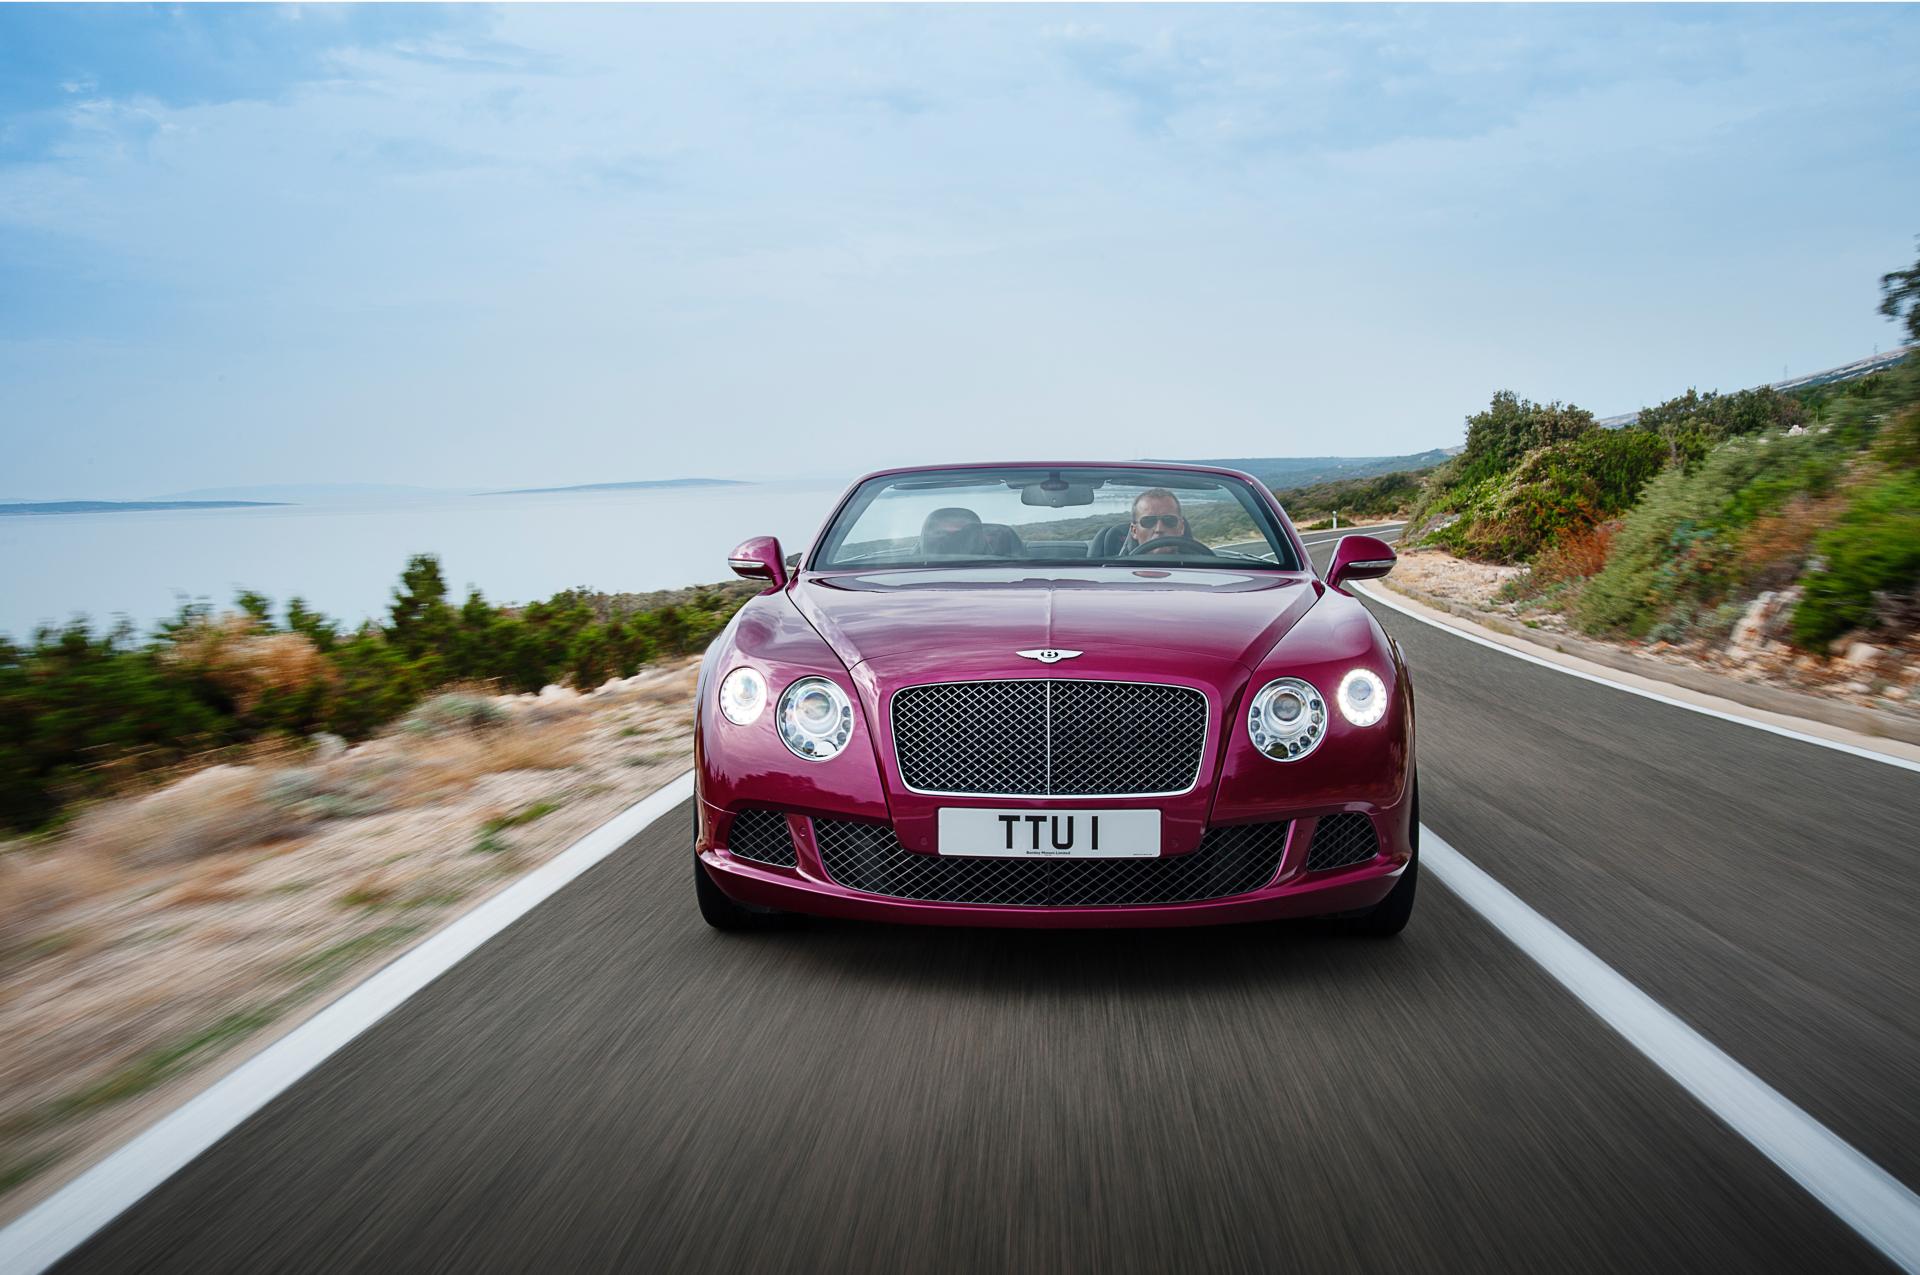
{"type": "Point", "coordinates": [1049, 834]}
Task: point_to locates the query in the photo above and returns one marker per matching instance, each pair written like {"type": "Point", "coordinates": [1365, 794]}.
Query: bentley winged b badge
{"type": "Point", "coordinates": [1048, 655]}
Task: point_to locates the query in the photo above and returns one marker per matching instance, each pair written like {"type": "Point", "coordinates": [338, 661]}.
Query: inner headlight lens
{"type": "Point", "coordinates": [1363, 697]}
{"type": "Point", "coordinates": [816, 718]}
{"type": "Point", "coordinates": [1287, 719]}
{"type": "Point", "coordinates": [743, 696]}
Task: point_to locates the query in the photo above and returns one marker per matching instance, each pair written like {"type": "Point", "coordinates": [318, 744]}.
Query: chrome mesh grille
{"type": "Point", "coordinates": [1229, 861]}
{"type": "Point", "coordinates": [1043, 738]}
{"type": "Point", "coordinates": [1342, 840]}
{"type": "Point", "coordinates": [762, 836]}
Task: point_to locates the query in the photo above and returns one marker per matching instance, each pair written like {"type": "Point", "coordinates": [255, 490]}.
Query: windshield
{"type": "Point", "coordinates": [1135, 517]}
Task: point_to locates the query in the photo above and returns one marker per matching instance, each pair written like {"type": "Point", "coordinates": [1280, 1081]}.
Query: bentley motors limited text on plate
{"type": "Point", "coordinates": [1049, 834]}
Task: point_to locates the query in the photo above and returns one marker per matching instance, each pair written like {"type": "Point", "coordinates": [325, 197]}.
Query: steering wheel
{"type": "Point", "coordinates": [1185, 544]}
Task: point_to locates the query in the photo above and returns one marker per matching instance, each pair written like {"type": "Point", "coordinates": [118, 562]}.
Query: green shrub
{"type": "Point", "coordinates": [377, 684]}
{"type": "Point", "coordinates": [1875, 547]}
{"type": "Point", "coordinates": [72, 702]}
{"type": "Point", "coordinates": [1511, 427]}
{"type": "Point", "coordinates": [1694, 423]}
{"type": "Point", "coordinates": [1555, 491]}
{"type": "Point", "coordinates": [1677, 548]}
{"type": "Point", "coordinates": [1497, 439]}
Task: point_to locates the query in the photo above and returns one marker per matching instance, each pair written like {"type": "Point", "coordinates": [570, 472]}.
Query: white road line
{"type": "Point", "coordinates": [68, 1218]}
{"type": "Point", "coordinates": [1386, 600]}
{"type": "Point", "coordinates": [1858, 1191]}
{"type": "Point", "coordinates": [1314, 539]}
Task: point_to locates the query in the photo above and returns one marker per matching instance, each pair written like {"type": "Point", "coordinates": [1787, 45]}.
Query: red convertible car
{"type": "Point", "coordinates": [1056, 695]}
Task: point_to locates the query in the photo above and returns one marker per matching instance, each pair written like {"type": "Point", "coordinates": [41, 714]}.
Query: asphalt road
{"type": "Point", "coordinates": [610, 1085]}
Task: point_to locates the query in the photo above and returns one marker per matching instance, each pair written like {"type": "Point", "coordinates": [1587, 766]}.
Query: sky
{"type": "Point", "coordinates": [541, 245]}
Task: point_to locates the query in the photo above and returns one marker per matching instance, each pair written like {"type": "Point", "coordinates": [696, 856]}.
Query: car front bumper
{"type": "Point", "coordinates": [1292, 890]}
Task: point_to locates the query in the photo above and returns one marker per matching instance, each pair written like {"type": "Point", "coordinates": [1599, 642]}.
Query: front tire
{"type": "Point", "coordinates": [721, 912]}
{"type": "Point", "coordinates": [1390, 915]}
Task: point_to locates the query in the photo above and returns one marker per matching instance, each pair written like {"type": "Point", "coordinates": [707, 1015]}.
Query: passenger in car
{"type": "Point", "coordinates": [957, 530]}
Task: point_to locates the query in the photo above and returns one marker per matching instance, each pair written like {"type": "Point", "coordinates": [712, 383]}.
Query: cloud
{"type": "Point", "coordinates": [468, 52]}
{"type": "Point", "coordinates": [604, 230]}
{"type": "Point", "coordinates": [1310, 81]}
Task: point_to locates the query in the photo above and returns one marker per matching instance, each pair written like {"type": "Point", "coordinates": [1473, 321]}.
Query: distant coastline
{"type": "Point", "coordinates": [30, 508]}
{"type": "Point", "coordinates": [635, 486]}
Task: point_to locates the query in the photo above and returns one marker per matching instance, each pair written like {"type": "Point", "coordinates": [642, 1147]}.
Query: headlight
{"type": "Point", "coordinates": [1287, 719]}
{"type": "Point", "coordinates": [816, 718]}
{"type": "Point", "coordinates": [1362, 697]}
{"type": "Point", "coordinates": [743, 696]}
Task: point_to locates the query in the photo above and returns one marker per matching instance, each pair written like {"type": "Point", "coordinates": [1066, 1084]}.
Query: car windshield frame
{"type": "Point", "coordinates": [1251, 502]}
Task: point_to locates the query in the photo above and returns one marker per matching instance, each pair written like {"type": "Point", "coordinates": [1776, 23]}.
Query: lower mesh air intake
{"type": "Point", "coordinates": [1229, 861]}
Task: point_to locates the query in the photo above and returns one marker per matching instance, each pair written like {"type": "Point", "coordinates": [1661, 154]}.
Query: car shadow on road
{"type": "Point", "coordinates": [1269, 956]}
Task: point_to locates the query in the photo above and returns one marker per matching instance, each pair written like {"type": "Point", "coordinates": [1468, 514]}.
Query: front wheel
{"type": "Point", "coordinates": [1390, 915]}
{"type": "Point", "coordinates": [721, 912]}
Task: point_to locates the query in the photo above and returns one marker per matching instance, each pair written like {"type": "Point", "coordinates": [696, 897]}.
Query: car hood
{"type": "Point", "coordinates": [896, 620]}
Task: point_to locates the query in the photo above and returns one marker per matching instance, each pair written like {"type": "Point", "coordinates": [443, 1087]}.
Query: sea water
{"type": "Point", "coordinates": [344, 559]}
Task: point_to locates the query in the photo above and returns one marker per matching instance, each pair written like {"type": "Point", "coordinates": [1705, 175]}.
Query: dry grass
{"type": "Point", "coordinates": [1577, 556]}
{"type": "Point", "coordinates": [370, 890]}
{"type": "Point", "coordinates": [545, 746]}
{"type": "Point", "coordinates": [35, 885]}
{"type": "Point", "coordinates": [248, 665]}
{"type": "Point", "coordinates": [668, 690]}
{"type": "Point", "coordinates": [216, 881]}
{"type": "Point", "coordinates": [213, 811]}
{"type": "Point", "coordinates": [1775, 547]}
{"type": "Point", "coordinates": [444, 766]}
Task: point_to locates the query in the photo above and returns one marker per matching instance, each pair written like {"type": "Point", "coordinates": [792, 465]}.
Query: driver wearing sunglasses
{"type": "Point", "coordinates": [1156, 516]}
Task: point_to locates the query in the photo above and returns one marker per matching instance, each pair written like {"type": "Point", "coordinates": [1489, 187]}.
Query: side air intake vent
{"type": "Point", "coordinates": [1341, 841]}
{"type": "Point", "coordinates": [761, 835]}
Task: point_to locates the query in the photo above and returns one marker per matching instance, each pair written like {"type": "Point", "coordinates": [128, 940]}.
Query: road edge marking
{"type": "Point", "coordinates": [1384, 598]}
{"type": "Point", "coordinates": [1859, 1192]}
{"type": "Point", "coordinates": [72, 1215]}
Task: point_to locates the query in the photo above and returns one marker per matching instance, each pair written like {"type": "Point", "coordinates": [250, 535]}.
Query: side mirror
{"type": "Point", "coordinates": [759, 559]}
{"type": "Point", "coordinates": [1359, 558]}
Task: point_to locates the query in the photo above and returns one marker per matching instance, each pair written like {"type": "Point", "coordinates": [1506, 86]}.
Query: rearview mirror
{"type": "Point", "coordinates": [1359, 558]}
{"type": "Point", "coordinates": [1055, 494]}
{"type": "Point", "coordinates": [759, 559]}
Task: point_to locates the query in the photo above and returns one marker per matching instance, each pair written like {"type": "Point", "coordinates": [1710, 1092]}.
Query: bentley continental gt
{"type": "Point", "coordinates": [1056, 695]}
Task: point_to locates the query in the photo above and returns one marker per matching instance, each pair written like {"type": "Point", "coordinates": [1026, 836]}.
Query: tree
{"type": "Point", "coordinates": [1900, 299]}
{"type": "Point", "coordinates": [1694, 422]}
{"type": "Point", "coordinates": [422, 620]}
{"type": "Point", "coordinates": [258, 606]}
{"type": "Point", "coordinates": [319, 630]}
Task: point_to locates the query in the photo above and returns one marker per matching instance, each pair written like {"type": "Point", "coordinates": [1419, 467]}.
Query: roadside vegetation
{"type": "Point", "coordinates": [1798, 512]}
{"type": "Point", "coordinates": [1384, 496]}
{"type": "Point", "coordinates": [151, 933]}
{"type": "Point", "coordinates": [87, 712]}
